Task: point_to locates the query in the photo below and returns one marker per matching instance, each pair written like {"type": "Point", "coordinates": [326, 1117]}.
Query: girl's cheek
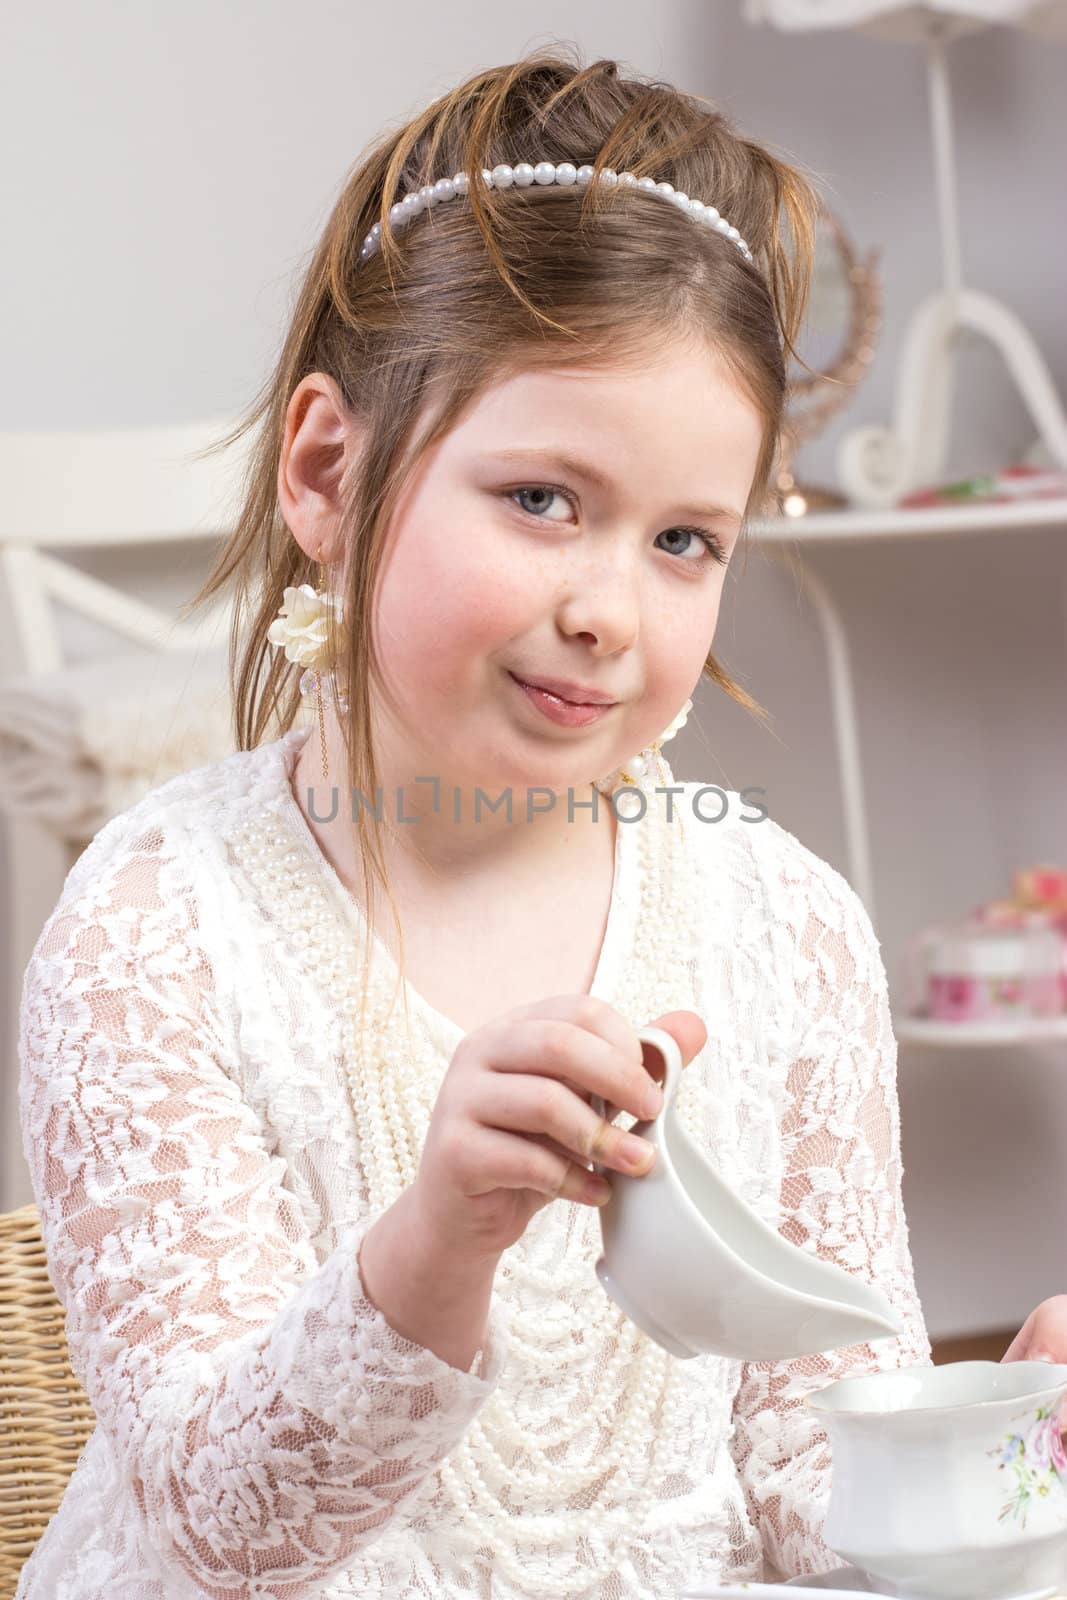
{"type": "Point", "coordinates": [493, 595]}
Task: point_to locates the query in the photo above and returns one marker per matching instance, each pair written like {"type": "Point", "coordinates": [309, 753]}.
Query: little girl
{"type": "Point", "coordinates": [327, 1261]}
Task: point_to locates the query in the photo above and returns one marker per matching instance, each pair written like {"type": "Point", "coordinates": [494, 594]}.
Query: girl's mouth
{"type": "Point", "coordinates": [566, 713]}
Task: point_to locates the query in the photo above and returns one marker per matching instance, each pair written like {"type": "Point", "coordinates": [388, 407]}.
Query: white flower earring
{"type": "Point", "coordinates": [637, 767]}
{"type": "Point", "coordinates": [301, 630]}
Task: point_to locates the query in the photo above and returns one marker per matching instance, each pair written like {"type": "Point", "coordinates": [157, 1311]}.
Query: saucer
{"type": "Point", "coordinates": [851, 1581]}
{"type": "Point", "coordinates": [804, 1588]}
{"type": "Point", "coordinates": [848, 1583]}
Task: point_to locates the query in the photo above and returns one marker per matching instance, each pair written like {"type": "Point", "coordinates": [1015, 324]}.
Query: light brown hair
{"type": "Point", "coordinates": [497, 282]}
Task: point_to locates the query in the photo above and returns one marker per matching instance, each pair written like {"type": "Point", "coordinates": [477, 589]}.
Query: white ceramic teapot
{"type": "Point", "coordinates": [698, 1270]}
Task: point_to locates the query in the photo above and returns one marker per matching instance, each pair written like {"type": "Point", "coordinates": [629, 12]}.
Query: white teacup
{"type": "Point", "coordinates": [698, 1270]}
{"type": "Point", "coordinates": [950, 1481]}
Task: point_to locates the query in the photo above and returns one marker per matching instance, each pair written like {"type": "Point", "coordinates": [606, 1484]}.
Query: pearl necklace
{"type": "Point", "coordinates": [498, 1476]}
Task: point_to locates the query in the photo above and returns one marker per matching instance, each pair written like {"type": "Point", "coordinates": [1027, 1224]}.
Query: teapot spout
{"type": "Point", "coordinates": [832, 1308]}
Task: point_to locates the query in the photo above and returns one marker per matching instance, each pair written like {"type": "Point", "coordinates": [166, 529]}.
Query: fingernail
{"type": "Point", "coordinates": [1040, 1355]}
{"type": "Point", "coordinates": [653, 1102]}
{"type": "Point", "coordinates": [636, 1152]}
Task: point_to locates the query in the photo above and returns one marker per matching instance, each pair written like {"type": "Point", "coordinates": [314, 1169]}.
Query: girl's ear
{"type": "Point", "coordinates": [318, 445]}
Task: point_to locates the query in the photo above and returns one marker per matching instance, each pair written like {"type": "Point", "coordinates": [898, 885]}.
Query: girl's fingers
{"type": "Point", "coordinates": [1016, 1351]}
{"type": "Point", "coordinates": [607, 1056]}
{"type": "Point", "coordinates": [1043, 1336]}
{"type": "Point", "coordinates": [534, 1106]}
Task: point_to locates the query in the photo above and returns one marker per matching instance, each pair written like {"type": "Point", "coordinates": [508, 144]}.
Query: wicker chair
{"type": "Point", "coordinates": [45, 1415]}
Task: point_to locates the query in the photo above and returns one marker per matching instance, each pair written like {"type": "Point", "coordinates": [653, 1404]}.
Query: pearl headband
{"type": "Point", "coordinates": [545, 172]}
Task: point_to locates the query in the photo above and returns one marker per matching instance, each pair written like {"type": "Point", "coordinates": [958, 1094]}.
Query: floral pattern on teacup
{"type": "Point", "coordinates": [1037, 1461]}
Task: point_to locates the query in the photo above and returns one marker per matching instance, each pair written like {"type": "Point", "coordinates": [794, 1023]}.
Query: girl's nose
{"type": "Point", "coordinates": [605, 607]}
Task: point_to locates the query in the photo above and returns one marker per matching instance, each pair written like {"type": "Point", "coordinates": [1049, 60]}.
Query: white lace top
{"type": "Point", "coordinates": [208, 1145]}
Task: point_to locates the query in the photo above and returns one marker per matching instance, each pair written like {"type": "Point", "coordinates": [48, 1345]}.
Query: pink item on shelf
{"type": "Point", "coordinates": [1011, 914]}
{"type": "Point", "coordinates": [1058, 922]}
{"type": "Point", "coordinates": [999, 914]}
{"type": "Point", "coordinates": [994, 488]}
{"type": "Point", "coordinates": [1042, 886]}
{"type": "Point", "coordinates": [986, 974]}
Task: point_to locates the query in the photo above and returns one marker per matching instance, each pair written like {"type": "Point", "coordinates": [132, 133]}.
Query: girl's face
{"type": "Point", "coordinates": [605, 570]}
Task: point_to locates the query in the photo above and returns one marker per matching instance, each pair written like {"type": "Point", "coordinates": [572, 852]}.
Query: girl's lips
{"type": "Point", "coordinates": [564, 712]}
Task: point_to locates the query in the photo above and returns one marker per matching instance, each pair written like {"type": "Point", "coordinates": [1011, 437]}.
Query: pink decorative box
{"type": "Point", "coordinates": [972, 973]}
{"type": "Point", "coordinates": [1016, 914]}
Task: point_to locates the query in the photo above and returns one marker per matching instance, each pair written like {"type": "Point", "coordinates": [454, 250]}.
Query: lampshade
{"type": "Point", "coordinates": [904, 21]}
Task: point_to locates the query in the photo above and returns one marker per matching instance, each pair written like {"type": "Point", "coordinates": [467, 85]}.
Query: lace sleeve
{"type": "Point", "coordinates": [840, 1198]}
{"type": "Point", "coordinates": [269, 1420]}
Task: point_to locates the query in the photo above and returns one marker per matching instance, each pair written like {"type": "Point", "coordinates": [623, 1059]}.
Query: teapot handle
{"type": "Point", "coordinates": [667, 1046]}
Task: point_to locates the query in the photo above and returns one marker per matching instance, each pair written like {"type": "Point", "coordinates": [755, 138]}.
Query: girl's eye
{"type": "Point", "coordinates": [712, 546]}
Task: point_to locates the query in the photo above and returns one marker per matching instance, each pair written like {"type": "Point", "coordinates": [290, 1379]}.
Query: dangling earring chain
{"type": "Point", "coordinates": [318, 684]}
{"type": "Point", "coordinates": [300, 628]}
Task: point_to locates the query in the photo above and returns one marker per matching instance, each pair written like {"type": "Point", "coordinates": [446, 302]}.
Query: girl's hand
{"type": "Point", "coordinates": [512, 1127]}
{"type": "Point", "coordinates": [1043, 1336]}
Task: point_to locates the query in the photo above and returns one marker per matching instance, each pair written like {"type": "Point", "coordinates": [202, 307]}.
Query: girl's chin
{"type": "Point", "coordinates": [561, 773]}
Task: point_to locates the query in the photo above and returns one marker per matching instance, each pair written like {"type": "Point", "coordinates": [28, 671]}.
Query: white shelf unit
{"type": "Point", "coordinates": [830, 527]}
{"type": "Point", "coordinates": [955, 1035]}
{"type": "Point", "coordinates": [853, 526]}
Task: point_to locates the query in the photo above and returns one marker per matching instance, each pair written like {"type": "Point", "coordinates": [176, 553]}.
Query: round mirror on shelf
{"type": "Point", "coordinates": [837, 342]}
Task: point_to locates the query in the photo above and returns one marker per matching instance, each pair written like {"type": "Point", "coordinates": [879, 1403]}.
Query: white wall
{"type": "Point", "coordinates": [169, 169]}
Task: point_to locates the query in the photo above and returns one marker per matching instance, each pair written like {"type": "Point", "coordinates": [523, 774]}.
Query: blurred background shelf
{"type": "Point", "coordinates": [958, 1035]}
{"type": "Point", "coordinates": [927, 522]}
{"type": "Point", "coordinates": [992, 1092]}
{"type": "Point", "coordinates": [783, 536]}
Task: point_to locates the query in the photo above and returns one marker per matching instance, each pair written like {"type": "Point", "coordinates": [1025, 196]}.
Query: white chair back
{"type": "Point", "coordinates": [69, 492]}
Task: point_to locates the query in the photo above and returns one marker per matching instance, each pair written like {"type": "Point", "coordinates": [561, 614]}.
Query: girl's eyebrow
{"type": "Point", "coordinates": [592, 474]}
